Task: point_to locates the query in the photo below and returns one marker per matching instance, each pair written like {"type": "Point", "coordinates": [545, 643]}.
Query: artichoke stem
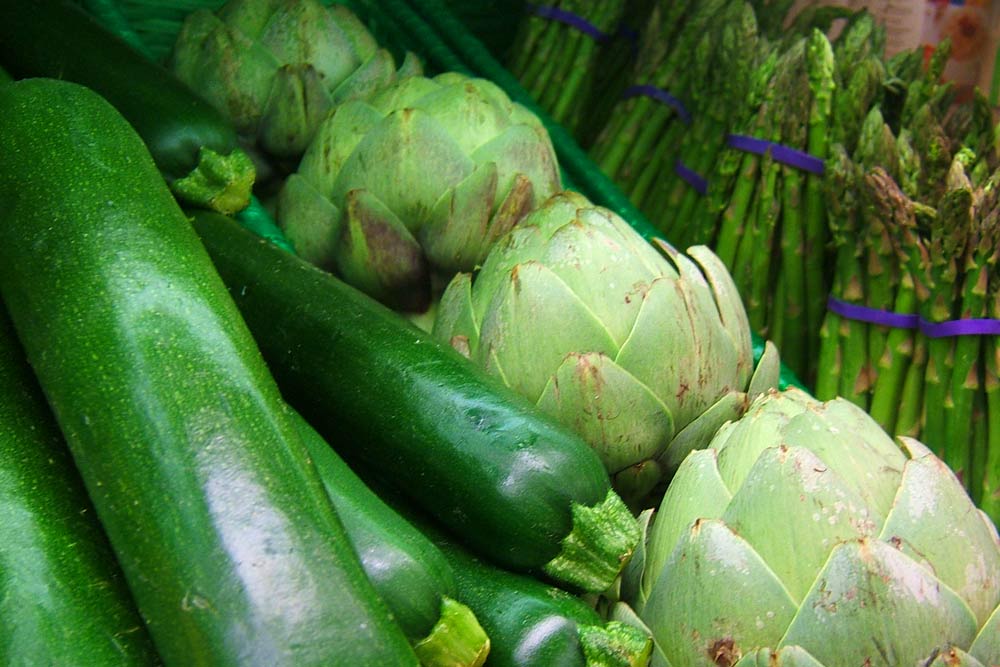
{"type": "Point", "coordinates": [222, 183]}
{"type": "Point", "coordinates": [456, 639]}
{"type": "Point", "coordinates": [602, 540]}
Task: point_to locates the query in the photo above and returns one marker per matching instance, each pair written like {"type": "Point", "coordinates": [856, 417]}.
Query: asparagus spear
{"type": "Point", "coordinates": [989, 499]}
{"type": "Point", "coordinates": [816, 286]}
{"type": "Point", "coordinates": [947, 245]}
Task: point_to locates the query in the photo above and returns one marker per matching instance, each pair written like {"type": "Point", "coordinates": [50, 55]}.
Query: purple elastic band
{"type": "Point", "coordinates": [950, 328]}
{"type": "Point", "coordinates": [784, 154]}
{"type": "Point", "coordinates": [694, 179]}
{"type": "Point", "coordinates": [659, 95]}
{"type": "Point", "coordinates": [570, 19]}
{"type": "Point", "coordinates": [968, 327]}
{"type": "Point", "coordinates": [853, 311]}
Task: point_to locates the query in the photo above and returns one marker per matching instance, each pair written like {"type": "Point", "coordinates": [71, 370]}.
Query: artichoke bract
{"type": "Point", "coordinates": [804, 535]}
{"type": "Point", "coordinates": [275, 68]}
{"type": "Point", "coordinates": [644, 352]}
{"type": "Point", "coordinates": [416, 182]}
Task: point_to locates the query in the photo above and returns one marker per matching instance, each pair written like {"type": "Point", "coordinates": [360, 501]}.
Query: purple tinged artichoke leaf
{"type": "Point", "coordinates": [933, 520]}
{"type": "Point", "coordinates": [872, 601]}
{"type": "Point", "coordinates": [231, 72]}
{"type": "Point", "coordinates": [378, 255]}
{"type": "Point", "coordinates": [697, 624]}
{"type": "Point", "coordinates": [304, 32]}
{"type": "Point", "coordinates": [533, 299]}
{"type": "Point", "coordinates": [453, 235]}
{"type": "Point", "coordinates": [370, 76]}
{"type": "Point", "coordinates": [393, 162]}
{"type": "Point", "coordinates": [335, 139]}
{"type": "Point", "coordinates": [309, 221]}
{"type": "Point", "coordinates": [621, 419]}
{"type": "Point", "coordinates": [514, 208]}
{"type": "Point", "coordinates": [298, 103]}
{"type": "Point", "coordinates": [517, 150]}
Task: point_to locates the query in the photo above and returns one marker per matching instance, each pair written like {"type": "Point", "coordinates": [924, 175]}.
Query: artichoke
{"type": "Point", "coordinates": [415, 183]}
{"type": "Point", "coordinates": [804, 535]}
{"type": "Point", "coordinates": [643, 352]}
{"type": "Point", "coordinates": [276, 68]}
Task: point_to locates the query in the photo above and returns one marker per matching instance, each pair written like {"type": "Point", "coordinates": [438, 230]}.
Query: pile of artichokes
{"type": "Point", "coordinates": [645, 352]}
{"type": "Point", "coordinates": [415, 183]}
{"type": "Point", "coordinates": [276, 68]}
{"type": "Point", "coordinates": [804, 536]}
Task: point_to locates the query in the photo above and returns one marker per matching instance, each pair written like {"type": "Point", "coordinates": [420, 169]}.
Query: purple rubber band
{"type": "Point", "coordinates": [948, 329]}
{"type": "Point", "coordinates": [570, 19]}
{"type": "Point", "coordinates": [784, 154]}
{"type": "Point", "coordinates": [694, 179]}
{"type": "Point", "coordinates": [970, 327]}
{"type": "Point", "coordinates": [853, 311]}
{"type": "Point", "coordinates": [659, 95]}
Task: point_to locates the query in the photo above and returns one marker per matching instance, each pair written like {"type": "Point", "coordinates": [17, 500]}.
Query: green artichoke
{"type": "Point", "coordinates": [804, 535]}
{"type": "Point", "coordinates": [417, 182]}
{"type": "Point", "coordinates": [276, 68]}
{"type": "Point", "coordinates": [643, 353]}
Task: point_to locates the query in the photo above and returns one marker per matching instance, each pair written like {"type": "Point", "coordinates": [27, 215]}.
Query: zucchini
{"type": "Point", "coordinates": [407, 570]}
{"type": "Point", "coordinates": [193, 145]}
{"type": "Point", "coordinates": [63, 600]}
{"type": "Point", "coordinates": [225, 534]}
{"type": "Point", "coordinates": [515, 484]}
{"type": "Point", "coordinates": [531, 623]}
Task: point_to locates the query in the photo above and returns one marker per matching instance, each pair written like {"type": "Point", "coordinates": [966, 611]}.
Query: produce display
{"type": "Point", "coordinates": [325, 341]}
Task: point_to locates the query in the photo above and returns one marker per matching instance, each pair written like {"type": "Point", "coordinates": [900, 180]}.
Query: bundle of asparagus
{"type": "Point", "coordinates": [569, 52]}
{"type": "Point", "coordinates": [915, 213]}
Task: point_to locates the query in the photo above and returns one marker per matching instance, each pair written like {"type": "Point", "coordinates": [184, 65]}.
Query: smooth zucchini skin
{"type": "Point", "coordinates": [55, 38]}
{"type": "Point", "coordinates": [407, 409]}
{"type": "Point", "coordinates": [408, 571]}
{"type": "Point", "coordinates": [530, 623]}
{"type": "Point", "coordinates": [222, 527]}
{"type": "Point", "coordinates": [63, 600]}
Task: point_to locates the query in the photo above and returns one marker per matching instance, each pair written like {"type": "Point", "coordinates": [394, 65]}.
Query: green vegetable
{"type": "Point", "coordinates": [63, 599]}
{"type": "Point", "coordinates": [643, 353]}
{"type": "Point", "coordinates": [419, 180]}
{"type": "Point", "coordinates": [193, 146]}
{"type": "Point", "coordinates": [276, 69]}
{"type": "Point", "coordinates": [221, 524]}
{"type": "Point", "coordinates": [840, 546]}
{"type": "Point", "coordinates": [532, 623]}
{"type": "Point", "coordinates": [516, 486]}
{"type": "Point", "coordinates": [407, 569]}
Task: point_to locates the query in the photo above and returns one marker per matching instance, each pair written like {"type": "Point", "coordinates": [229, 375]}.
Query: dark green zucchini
{"type": "Point", "coordinates": [193, 145]}
{"type": "Point", "coordinates": [516, 485]}
{"type": "Point", "coordinates": [225, 534]}
{"type": "Point", "coordinates": [408, 571]}
{"type": "Point", "coordinates": [63, 600]}
{"type": "Point", "coordinates": [531, 623]}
